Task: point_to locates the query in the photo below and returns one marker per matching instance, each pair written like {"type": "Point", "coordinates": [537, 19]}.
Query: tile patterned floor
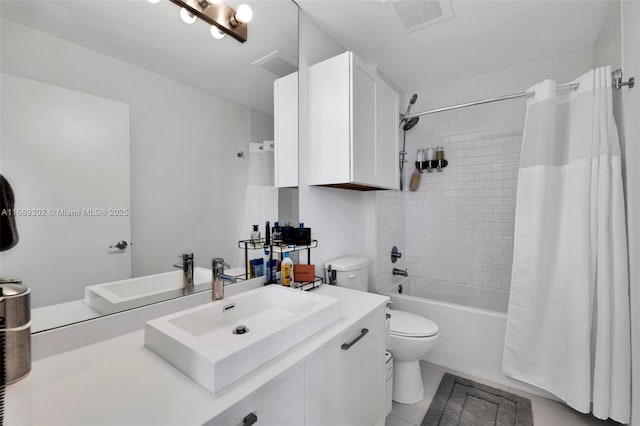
{"type": "Point", "coordinates": [545, 411]}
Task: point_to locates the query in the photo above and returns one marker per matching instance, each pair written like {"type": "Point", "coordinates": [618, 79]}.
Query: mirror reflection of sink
{"type": "Point", "coordinates": [116, 296]}
{"type": "Point", "coordinates": [219, 342]}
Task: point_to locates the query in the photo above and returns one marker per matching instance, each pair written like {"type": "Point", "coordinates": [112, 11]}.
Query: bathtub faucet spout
{"type": "Point", "coordinates": [402, 272]}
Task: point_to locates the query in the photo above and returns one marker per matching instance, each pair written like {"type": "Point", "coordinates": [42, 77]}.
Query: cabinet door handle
{"type": "Point", "coordinates": [250, 419]}
{"type": "Point", "coordinates": [346, 346]}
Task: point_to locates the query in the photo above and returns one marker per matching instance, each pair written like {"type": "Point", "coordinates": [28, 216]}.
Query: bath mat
{"type": "Point", "coordinates": [463, 402]}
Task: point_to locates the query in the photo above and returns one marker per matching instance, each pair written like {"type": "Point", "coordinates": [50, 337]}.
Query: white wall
{"type": "Point", "coordinates": [459, 224]}
{"type": "Point", "coordinates": [343, 221]}
{"type": "Point", "coordinates": [608, 48]}
{"type": "Point", "coordinates": [608, 51]}
{"type": "Point", "coordinates": [187, 184]}
{"type": "Point", "coordinates": [630, 12]}
{"type": "Point", "coordinates": [390, 230]}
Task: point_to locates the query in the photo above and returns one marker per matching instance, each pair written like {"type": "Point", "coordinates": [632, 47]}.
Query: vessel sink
{"type": "Point", "coordinates": [116, 296]}
{"type": "Point", "coordinates": [207, 343]}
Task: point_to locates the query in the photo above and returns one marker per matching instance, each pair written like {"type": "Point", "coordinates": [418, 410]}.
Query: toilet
{"type": "Point", "coordinates": [410, 337]}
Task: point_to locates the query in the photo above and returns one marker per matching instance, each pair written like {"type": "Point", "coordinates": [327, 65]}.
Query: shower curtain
{"type": "Point", "coordinates": [568, 324]}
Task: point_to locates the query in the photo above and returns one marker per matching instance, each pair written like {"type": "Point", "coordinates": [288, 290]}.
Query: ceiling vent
{"type": "Point", "coordinates": [417, 14]}
{"type": "Point", "coordinates": [275, 63]}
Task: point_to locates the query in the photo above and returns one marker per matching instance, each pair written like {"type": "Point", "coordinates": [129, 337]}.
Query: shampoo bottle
{"type": "Point", "coordinates": [287, 270]}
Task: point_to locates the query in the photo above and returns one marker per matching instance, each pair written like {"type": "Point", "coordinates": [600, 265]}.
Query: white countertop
{"type": "Point", "coordinates": [47, 317]}
{"type": "Point", "coordinates": [120, 381]}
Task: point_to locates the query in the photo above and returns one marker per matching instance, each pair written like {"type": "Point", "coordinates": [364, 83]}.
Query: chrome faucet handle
{"type": "Point", "coordinates": [395, 254]}
{"type": "Point", "coordinates": [186, 259]}
{"type": "Point", "coordinates": [218, 264]}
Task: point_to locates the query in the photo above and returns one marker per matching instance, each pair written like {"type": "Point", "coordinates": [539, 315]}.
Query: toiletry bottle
{"type": "Point", "coordinates": [272, 266]}
{"type": "Point", "coordinates": [267, 238]}
{"type": "Point", "coordinates": [276, 236]}
{"type": "Point", "coordinates": [255, 234]}
{"type": "Point", "coordinates": [287, 270]}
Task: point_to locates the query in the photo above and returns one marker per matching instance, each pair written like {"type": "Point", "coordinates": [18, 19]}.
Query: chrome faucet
{"type": "Point", "coordinates": [332, 275]}
{"type": "Point", "coordinates": [218, 279]}
{"type": "Point", "coordinates": [402, 272]}
{"type": "Point", "coordinates": [187, 272]}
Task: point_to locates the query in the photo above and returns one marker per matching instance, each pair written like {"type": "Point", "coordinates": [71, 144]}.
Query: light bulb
{"type": "Point", "coordinates": [244, 14]}
{"type": "Point", "coordinates": [216, 33]}
{"type": "Point", "coordinates": [154, 1]}
{"type": "Point", "coordinates": [186, 16]}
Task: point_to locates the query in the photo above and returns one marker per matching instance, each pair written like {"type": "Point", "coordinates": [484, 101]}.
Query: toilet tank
{"type": "Point", "coordinates": [351, 271]}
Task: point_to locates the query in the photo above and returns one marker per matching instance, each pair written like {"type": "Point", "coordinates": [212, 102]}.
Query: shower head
{"type": "Point", "coordinates": [413, 100]}
{"type": "Point", "coordinates": [408, 124]}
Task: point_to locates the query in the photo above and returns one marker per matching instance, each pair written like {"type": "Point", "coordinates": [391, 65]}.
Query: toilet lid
{"type": "Point", "coordinates": [411, 325]}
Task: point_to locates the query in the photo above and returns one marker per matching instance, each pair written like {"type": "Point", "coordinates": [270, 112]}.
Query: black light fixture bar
{"type": "Point", "coordinates": [219, 15]}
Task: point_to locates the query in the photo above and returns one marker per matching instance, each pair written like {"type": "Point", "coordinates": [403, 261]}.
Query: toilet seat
{"type": "Point", "coordinates": [406, 324]}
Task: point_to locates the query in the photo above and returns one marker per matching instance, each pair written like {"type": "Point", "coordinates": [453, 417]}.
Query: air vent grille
{"type": "Point", "coordinates": [274, 63]}
{"type": "Point", "coordinates": [418, 14]}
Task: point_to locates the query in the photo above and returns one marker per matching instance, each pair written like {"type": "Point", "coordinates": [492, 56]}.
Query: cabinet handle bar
{"type": "Point", "coordinates": [249, 419]}
{"type": "Point", "coordinates": [346, 346]}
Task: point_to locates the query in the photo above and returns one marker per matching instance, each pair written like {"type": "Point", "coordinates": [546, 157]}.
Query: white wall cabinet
{"type": "Point", "coordinates": [335, 386]}
{"type": "Point", "coordinates": [285, 115]}
{"type": "Point", "coordinates": [353, 126]}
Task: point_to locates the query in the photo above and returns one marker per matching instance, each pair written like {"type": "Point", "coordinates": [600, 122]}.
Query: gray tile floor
{"type": "Point", "coordinates": [545, 411]}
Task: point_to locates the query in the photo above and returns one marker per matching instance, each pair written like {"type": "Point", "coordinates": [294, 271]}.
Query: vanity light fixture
{"type": "Point", "coordinates": [224, 19]}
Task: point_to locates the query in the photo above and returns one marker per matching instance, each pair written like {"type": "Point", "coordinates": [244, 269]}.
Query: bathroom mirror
{"type": "Point", "coordinates": [131, 137]}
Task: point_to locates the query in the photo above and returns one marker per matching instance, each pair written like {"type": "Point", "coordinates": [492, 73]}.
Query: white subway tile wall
{"type": "Point", "coordinates": [458, 226]}
{"type": "Point", "coordinates": [390, 211]}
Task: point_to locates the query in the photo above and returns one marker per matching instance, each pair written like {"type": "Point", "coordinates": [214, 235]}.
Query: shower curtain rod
{"type": "Point", "coordinates": [617, 83]}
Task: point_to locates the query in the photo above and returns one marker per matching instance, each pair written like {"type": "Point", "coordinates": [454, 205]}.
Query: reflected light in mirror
{"type": "Point", "coordinates": [216, 33]}
{"type": "Point", "coordinates": [187, 17]}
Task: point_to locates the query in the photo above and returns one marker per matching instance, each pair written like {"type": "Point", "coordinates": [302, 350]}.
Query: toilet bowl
{"type": "Point", "coordinates": [412, 337]}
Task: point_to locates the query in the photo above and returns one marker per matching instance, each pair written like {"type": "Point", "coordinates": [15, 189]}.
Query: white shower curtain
{"type": "Point", "coordinates": [568, 326]}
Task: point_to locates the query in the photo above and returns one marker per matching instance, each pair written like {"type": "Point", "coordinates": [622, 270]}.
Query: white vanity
{"type": "Point", "coordinates": [333, 376]}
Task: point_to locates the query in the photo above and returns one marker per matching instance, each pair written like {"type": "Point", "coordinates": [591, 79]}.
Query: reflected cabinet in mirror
{"type": "Point", "coordinates": [131, 140]}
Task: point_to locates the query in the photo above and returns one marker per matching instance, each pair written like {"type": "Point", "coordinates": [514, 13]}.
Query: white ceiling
{"type": "Point", "coordinates": [153, 37]}
{"type": "Point", "coordinates": [482, 37]}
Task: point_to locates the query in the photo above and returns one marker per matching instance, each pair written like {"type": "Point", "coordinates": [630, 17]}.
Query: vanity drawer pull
{"type": "Point", "coordinates": [250, 419]}
{"type": "Point", "coordinates": [346, 346]}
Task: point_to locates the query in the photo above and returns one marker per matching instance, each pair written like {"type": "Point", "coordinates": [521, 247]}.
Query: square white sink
{"type": "Point", "coordinates": [116, 296]}
{"type": "Point", "coordinates": [202, 344]}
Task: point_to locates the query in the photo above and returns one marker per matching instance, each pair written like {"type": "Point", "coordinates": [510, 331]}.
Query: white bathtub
{"type": "Point", "coordinates": [472, 322]}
